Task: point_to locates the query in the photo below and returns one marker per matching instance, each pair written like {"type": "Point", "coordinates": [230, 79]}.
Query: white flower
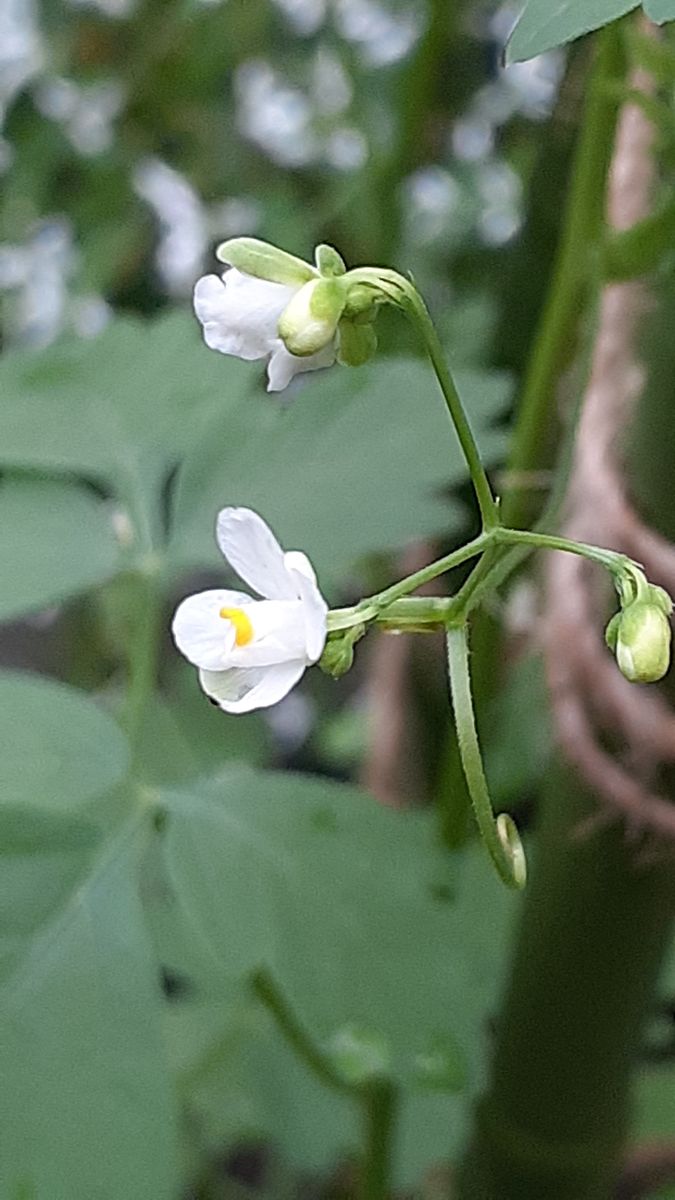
{"type": "Point", "coordinates": [250, 653]}
{"type": "Point", "coordinates": [240, 315]}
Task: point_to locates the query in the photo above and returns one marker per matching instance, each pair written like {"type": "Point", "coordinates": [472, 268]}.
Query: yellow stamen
{"type": "Point", "coordinates": [243, 629]}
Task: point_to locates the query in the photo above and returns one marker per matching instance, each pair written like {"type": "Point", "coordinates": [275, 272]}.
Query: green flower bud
{"type": "Point", "coordinates": [310, 320]}
{"type": "Point", "coordinates": [328, 261]}
{"type": "Point", "coordinates": [338, 653]}
{"type": "Point", "coordinates": [263, 261]}
{"type": "Point", "coordinates": [441, 1067]}
{"type": "Point", "coordinates": [360, 1054]}
{"type": "Point", "coordinates": [640, 638]}
{"type": "Point", "coordinates": [358, 342]}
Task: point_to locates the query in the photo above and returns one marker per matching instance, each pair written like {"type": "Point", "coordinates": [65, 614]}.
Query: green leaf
{"type": "Point", "coordinates": [60, 752]}
{"type": "Point", "coordinates": [357, 463]}
{"type": "Point", "coordinates": [545, 24]}
{"type": "Point", "coordinates": [56, 539]}
{"type": "Point", "coordinates": [120, 408]}
{"type": "Point", "coordinates": [660, 10]}
{"type": "Point", "coordinates": [308, 877]}
{"type": "Point", "coordinates": [88, 1108]}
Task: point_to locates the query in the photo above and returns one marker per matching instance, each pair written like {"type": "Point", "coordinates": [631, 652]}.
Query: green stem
{"type": "Point", "coordinates": [380, 1103]}
{"type": "Point", "coordinates": [377, 1097]}
{"type": "Point", "coordinates": [576, 265]}
{"type": "Point", "coordinates": [420, 315]}
{"type": "Point", "coordinates": [143, 652]}
{"type": "Point", "coordinates": [500, 836]}
{"type": "Point", "coordinates": [405, 586]}
{"type": "Point", "coordinates": [594, 929]}
{"type": "Point", "coordinates": [383, 283]}
{"type": "Point", "coordinates": [296, 1035]}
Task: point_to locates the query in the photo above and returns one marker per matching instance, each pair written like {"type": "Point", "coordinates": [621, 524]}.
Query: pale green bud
{"type": "Point", "coordinates": [310, 320]}
{"type": "Point", "coordinates": [264, 261]}
{"type": "Point", "coordinates": [360, 1054]}
{"type": "Point", "coordinates": [328, 261]}
{"type": "Point", "coordinates": [358, 342]}
{"type": "Point", "coordinates": [338, 653]}
{"type": "Point", "coordinates": [640, 638]}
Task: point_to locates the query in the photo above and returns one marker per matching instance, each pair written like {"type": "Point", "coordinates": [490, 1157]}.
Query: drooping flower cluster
{"type": "Point", "coordinates": [249, 652]}
{"type": "Point", "coordinates": [271, 305]}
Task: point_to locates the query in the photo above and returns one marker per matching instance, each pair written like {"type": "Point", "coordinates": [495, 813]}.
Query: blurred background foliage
{"type": "Point", "coordinates": [148, 873]}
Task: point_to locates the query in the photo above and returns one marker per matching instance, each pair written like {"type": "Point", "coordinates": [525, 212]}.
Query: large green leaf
{"type": "Point", "coordinates": [56, 539]}
{"type": "Point", "coordinates": [87, 1108]}
{"type": "Point", "coordinates": [353, 909]}
{"type": "Point", "coordinates": [356, 955]}
{"type": "Point", "coordinates": [358, 462]}
{"type": "Point", "coordinates": [548, 23]}
{"type": "Point", "coordinates": [121, 408]}
{"type": "Point", "coordinates": [59, 751]}
{"type": "Point", "coordinates": [660, 10]}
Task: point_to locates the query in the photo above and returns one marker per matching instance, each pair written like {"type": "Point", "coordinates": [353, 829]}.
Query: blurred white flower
{"type": "Point", "coordinates": [250, 653]}
{"type": "Point", "coordinates": [182, 222]}
{"type": "Point", "coordinates": [240, 316]}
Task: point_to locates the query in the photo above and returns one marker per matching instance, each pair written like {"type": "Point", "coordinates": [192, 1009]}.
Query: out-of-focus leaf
{"type": "Point", "coordinates": [357, 463]}
{"type": "Point", "coordinates": [121, 408]}
{"type": "Point", "coordinates": [308, 877]}
{"type": "Point", "coordinates": [56, 539]}
{"type": "Point", "coordinates": [660, 10]}
{"type": "Point", "coordinates": [548, 23]}
{"type": "Point", "coordinates": [87, 1107]}
{"type": "Point", "coordinates": [59, 751]}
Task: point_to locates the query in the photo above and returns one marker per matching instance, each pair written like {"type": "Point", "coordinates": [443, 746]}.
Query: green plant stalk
{"type": "Point", "coordinates": [143, 653]}
{"type": "Point", "coordinates": [377, 1098]}
{"type": "Point", "coordinates": [380, 1104]}
{"type": "Point", "coordinates": [300, 1041]}
{"type": "Point", "coordinates": [577, 260]}
{"type": "Point", "coordinates": [388, 285]}
{"type": "Point", "coordinates": [419, 314]}
{"type": "Point", "coordinates": [594, 929]}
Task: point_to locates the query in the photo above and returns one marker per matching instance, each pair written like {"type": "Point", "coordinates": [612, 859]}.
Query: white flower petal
{"type": "Point", "coordinates": [239, 313]}
{"type": "Point", "coordinates": [284, 366]}
{"type": "Point", "coordinates": [252, 549]}
{"type": "Point", "coordinates": [279, 635]}
{"type": "Point", "coordinates": [242, 690]}
{"type": "Point", "coordinates": [314, 606]}
{"type": "Point", "coordinates": [200, 632]}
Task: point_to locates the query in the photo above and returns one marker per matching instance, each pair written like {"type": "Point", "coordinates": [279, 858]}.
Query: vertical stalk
{"type": "Point", "coordinates": [380, 1103]}
{"type": "Point", "coordinates": [576, 264]}
{"type": "Point", "coordinates": [417, 309]}
{"type": "Point", "coordinates": [143, 652]}
{"type": "Point", "coordinates": [593, 933]}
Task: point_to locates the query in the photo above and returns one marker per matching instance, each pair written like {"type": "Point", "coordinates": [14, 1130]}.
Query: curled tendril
{"type": "Point", "coordinates": [512, 848]}
{"type": "Point", "coordinates": [500, 836]}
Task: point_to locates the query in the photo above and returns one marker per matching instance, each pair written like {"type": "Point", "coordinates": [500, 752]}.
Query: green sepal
{"type": "Point", "coordinates": [612, 631]}
{"type": "Point", "coordinates": [358, 342]}
{"type": "Point", "coordinates": [328, 261]}
{"type": "Point", "coordinates": [264, 261]}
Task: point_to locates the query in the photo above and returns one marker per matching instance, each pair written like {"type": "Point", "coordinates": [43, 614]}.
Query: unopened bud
{"type": "Point", "coordinates": [360, 1054]}
{"type": "Point", "coordinates": [310, 320]}
{"type": "Point", "coordinates": [640, 637]}
{"type": "Point", "coordinates": [264, 261]}
{"type": "Point", "coordinates": [338, 653]}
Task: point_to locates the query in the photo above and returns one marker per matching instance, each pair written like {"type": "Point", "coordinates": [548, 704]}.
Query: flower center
{"type": "Point", "coordinates": [243, 629]}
